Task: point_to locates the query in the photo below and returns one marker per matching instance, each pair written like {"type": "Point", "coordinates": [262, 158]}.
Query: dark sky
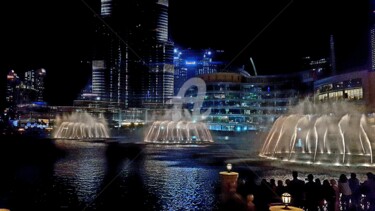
{"type": "Point", "coordinates": [57, 35]}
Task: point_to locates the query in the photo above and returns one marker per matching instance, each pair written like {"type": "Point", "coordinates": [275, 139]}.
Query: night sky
{"type": "Point", "coordinates": [57, 35]}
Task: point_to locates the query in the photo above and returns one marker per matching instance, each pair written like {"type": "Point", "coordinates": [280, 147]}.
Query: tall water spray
{"type": "Point", "coordinates": [180, 126]}
{"type": "Point", "coordinates": [322, 134]}
{"type": "Point", "coordinates": [81, 126]}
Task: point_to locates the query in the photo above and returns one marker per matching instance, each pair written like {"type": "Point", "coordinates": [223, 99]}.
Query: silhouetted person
{"type": "Point", "coordinates": [274, 196]}
{"type": "Point", "coordinates": [280, 189]}
{"type": "Point", "coordinates": [329, 195]}
{"type": "Point", "coordinates": [356, 194]}
{"type": "Point", "coordinates": [320, 196]}
{"type": "Point", "coordinates": [296, 189]}
{"type": "Point", "coordinates": [345, 191]}
{"type": "Point", "coordinates": [287, 185]}
{"type": "Point", "coordinates": [263, 196]}
{"type": "Point", "coordinates": [337, 194]}
{"type": "Point", "coordinates": [311, 194]}
{"type": "Point", "coordinates": [368, 189]}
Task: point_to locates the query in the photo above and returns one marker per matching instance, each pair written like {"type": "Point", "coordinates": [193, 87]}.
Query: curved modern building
{"type": "Point", "coordinates": [354, 86]}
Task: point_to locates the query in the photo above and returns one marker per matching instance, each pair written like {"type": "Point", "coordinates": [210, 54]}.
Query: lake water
{"type": "Point", "coordinates": [73, 175]}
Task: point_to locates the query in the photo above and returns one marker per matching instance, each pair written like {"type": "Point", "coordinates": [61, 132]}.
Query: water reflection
{"type": "Point", "coordinates": [181, 185]}
{"type": "Point", "coordinates": [116, 176]}
{"type": "Point", "coordinates": [83, 168]}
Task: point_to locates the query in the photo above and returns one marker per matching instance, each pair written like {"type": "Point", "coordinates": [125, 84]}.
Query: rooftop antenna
{"type": "Point", "coordinates": [252, 63]}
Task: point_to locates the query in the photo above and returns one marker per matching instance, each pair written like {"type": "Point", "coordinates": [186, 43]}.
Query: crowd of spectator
{"type": "Point", "coordinates": [310, 194]}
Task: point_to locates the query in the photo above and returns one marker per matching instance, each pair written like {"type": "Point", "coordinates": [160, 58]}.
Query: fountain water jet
{"type": "Point", "coordinates": [180, 126]}
{"type": "Point", "coordinates": [178, 132]}
{"type": "Point", "coordinates": [324, 138]}
{"type": "Point", "coordinates": [81, 126]}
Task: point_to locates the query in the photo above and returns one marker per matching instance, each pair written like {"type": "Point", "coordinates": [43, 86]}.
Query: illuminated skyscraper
{"type": "Point", "coordinates": [133, 57]}
{"type": "Point", "coordinates": [160, 59]}
{"type": "Point", "coordinates": [34, 80]}
{"type": "Point", "coordinates": [26, 91]}
{"type": "Point", "coordinates": [13, 81]}
{"type": "Point", "coordinates": [372, 34]}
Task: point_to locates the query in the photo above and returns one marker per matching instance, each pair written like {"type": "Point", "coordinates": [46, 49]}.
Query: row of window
{"type": "Point", "coordinates": [351, 94]}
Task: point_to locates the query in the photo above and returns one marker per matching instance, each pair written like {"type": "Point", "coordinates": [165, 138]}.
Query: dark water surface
{"type": "Point", "coordinates": [73, 175]}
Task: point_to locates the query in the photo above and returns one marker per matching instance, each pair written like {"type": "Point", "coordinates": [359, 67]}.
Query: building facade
{"type": "Point", "coordinates": [133, 57]}
{"type": "Point", "coordinates": [190, 63]}
{"type": "Point", "coordinates": [239, 103]}
{"type": "Point", "coordinates": [355, 86]}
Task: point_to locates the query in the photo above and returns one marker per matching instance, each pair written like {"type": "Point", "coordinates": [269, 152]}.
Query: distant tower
{"type": "Point", "coordinates": [13, 81]}
{"type": "Point", "coordinates": [190, 63]}
{"type": "Point", "coordinates": [372, 34]}
{"type": "Point", "coordinates": [34, 83]}
{"type": "Point", "coordinates": [372, 47]}
{"type": "Point", "coordinates": [160, 60]}
{"type": "Point", "coordinates": [133, 56]}
{"type": "Point", "coordinates": [39, 83]}
{"type": "Point", "coordinates": [332, 54]}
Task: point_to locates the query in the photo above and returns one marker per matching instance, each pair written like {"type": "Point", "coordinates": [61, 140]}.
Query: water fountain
{"type": "Point", "coordinates": [178, 125]}
{"type": "Point", "coordinates": [81, 126]}
{"type": "Point", "coordinates": [331, 134]}
{"type": "Point", "coordinates": [180, 132]}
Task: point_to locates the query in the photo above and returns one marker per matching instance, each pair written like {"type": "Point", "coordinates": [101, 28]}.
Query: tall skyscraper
{"type": "Point", "coordinates": [13, 81]}
{"type": "Point", "coordinates": [24, 91]}
{"type": "Point", "coordinates": [372, 34]}
{"type": "Point", "coordinates": [160, 56]}
{"type": "Point", "coordinates": [133, 59]}
{"type": "Point", "coordinates": [34, 80]}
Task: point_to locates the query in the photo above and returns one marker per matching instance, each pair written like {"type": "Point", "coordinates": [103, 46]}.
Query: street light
{"type": "Point", "coordinates": [286, 198]}
{"type": "Point", "coordinates": [229, 167]}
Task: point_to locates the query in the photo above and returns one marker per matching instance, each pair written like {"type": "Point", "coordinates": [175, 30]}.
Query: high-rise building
{"type": "Point", "coordinates": [190, 63]}
{"type": "Point", "coordinates": [13, 81]}
{"type": "Point", "coordinates": [134, 53]}
{"type": "Point", "coordinates": [372, 34]}
{"type": "Point", "coordinates": [24, 91]}
{"type": "Point", "coordinates": [34, 80]}
{"type": "Point", "coordinates": [160, 59]}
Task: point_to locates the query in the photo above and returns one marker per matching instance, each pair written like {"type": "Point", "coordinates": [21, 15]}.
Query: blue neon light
{"type": "Point", "coordinates": [190, 62]}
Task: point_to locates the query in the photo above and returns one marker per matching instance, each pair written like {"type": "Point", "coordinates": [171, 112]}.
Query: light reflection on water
{"type": "Point", "coordinates": [180, 187]}
{"type": "Point", "coordinates": [97, 176]}
{"type": "Point", "coordinates": [83, 168]}
{"type": "Point", "coordinates": [169, 176]}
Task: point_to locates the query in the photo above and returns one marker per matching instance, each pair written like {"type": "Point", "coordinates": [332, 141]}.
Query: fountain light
{"type": "Point", "coordinates": [286, 198]}
{"type": "Point", "coordinates": [229, 167]}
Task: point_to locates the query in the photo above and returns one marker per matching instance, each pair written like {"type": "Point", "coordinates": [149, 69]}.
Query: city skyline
{"type": "Point", "coordinates": [272, 35]}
